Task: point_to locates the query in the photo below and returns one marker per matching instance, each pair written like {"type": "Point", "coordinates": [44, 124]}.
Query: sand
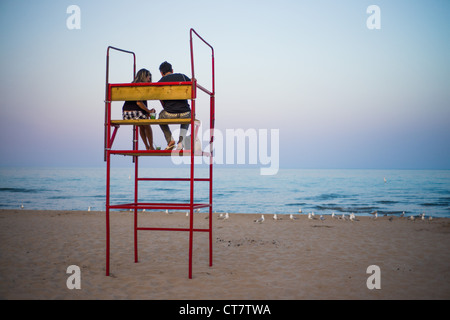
{"type": "Point", "coordinates": [274, 260]}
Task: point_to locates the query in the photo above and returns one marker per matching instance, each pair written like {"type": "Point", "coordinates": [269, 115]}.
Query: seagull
{"type": "Point", "coordinates": [223, 216]}
{"type": "Point", "coordinates": [352, 217]}
{"type": "Point", "coordinates": [275, 217]}
{"type": "Point", "coordinates": [322, 218]}
{"type": "Point", "coordinates": [198, 210]}
{"type": "Point", "coordinates": [385, 180]}
{"type": "Point", "coordinates": [311, 216]}
{"type": "Point", "coordinates": [299, 210]}
{"type": "Point", "coordinates": [260, 220]}
{"type": "Point", "coordinates": [402, 215]}
{"type": "Point", "coordinates": [291, 216]}
{"type": "Point", "coordinates": [430, 218]}
{"type": "Point", "coordinates": [412, 218]}
{"type": "Point", "coordinates": [332, 216]}
{"type": "Point", "coordinates": [21, 206]}
{"type": "Point", "coordinates": [167, 211]}
{"type": "Point", "coordinates": [423, 216]}
{"type": "Point", "coordinates": [187, 213]}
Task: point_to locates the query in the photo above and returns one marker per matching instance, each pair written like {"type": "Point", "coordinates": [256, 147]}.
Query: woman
{"type": "Point", "coordinates": [133, 110]}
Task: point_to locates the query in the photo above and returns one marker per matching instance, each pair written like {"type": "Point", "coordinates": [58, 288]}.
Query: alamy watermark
{"type": "Point", "coordinates": [237, 146]}
{"type": "Point", "coordinates": [374, 281]}
{"type": "Point", "coordinates": [374, 20]}
{"type": "Point", "coordinates": [74, 280]}
{"type": "Point", "coordinates": [73, 22]}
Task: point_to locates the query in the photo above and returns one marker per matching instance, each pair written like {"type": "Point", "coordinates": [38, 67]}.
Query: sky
{"type": "Point", "coordinates": [340, 94]}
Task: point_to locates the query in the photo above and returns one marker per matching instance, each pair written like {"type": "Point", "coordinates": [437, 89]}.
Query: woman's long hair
{"type": "Point", "coordinates": [141, 76]}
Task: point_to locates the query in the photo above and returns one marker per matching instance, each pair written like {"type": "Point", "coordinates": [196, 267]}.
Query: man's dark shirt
{"type": "Point", "coordinates": [175, 106]}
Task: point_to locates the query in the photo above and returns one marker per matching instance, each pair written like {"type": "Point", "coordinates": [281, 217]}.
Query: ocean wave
{"type": "Point", "coordinates": [354, 209]}
{"type": "Point", "coordinates": [60, 197]}
{"type": "Point", "coordinates": [387, 202]}
{"type": "Point", "coordinates": [435, 204]}
{"type": "Point", "coordinates": [296, 204]}
{"type": "Point", "coordinates": [21, 190]}
{"type": "Point", "coordinates": [329, 196]}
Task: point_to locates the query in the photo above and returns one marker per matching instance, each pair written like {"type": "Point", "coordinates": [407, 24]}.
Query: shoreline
{"type": "Point", "coordinates": [273, 260]}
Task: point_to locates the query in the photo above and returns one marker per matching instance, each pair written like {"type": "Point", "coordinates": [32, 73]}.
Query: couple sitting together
{"type": "Point", "coordinates": [172, 109]}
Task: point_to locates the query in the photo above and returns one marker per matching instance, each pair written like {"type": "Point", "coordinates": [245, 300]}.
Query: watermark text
{"type": "Point", "coordinates": [73, 21]}
{"type": "Point", "coordinates": [237, 146]}
{"type": "Point", "coordinates": [374, 20]}
{"type": "Point", "coordinates": [74, 280]}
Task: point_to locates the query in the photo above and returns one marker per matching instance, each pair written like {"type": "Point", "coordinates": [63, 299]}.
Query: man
{"type": "Point", "coordinates": [173, 109]}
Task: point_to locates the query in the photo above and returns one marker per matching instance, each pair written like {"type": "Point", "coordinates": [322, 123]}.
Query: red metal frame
{"type": "Point", "coordinates": [136, 153]}
{"type": "Point", "coordinates": [107, 101]}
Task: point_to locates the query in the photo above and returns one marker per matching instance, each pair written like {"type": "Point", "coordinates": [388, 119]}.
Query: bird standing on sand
{"type": "Point", "coordinates": [275, 217]}
{"type": "Point", "coordinates": [311, 216]}
{"type": "Point", "coordinates": [223, 216]}
{"type": "Point", "coordinates": [322, 218]}
{"type": "Point", "coordinates": [332, 216]}
{"type": "Point", "coordinates": [299, 210]}
{"type": "Point", "coordinates": [260, 220]}
{"type": "Point", "coordinates": [291, 216]}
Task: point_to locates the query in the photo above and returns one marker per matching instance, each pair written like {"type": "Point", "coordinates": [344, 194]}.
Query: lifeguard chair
{"type": "Point", "coordinates": [158, 91]}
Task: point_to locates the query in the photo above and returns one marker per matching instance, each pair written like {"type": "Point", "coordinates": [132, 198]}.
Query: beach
{"type": "Point", "coordinates": [274, 260]}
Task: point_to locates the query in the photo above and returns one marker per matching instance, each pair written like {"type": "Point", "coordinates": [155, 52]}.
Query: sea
{"type": "Point", "coordinates": [235, 190]}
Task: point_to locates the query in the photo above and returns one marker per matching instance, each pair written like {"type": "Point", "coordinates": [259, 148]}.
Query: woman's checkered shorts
{"type": "Point", "coordinates": [133, 115]}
